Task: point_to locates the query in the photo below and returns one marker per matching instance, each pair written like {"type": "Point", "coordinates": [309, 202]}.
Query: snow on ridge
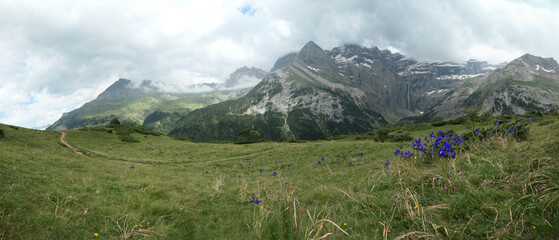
{"type": "Point", "coordinates": [314, 69]}
{"type": "Point", "coordinates": [448, 65]}
{"type": "Point", "coordinates": [367, 65]}
{"type": "Point", "coordinates": [340, 59]}
{"type": "Point", "coordinates": [458, 77]}
{"type": "Point", "coordinates": [538, 67]}
{"type": "Point", "coordinates": [351, 58]}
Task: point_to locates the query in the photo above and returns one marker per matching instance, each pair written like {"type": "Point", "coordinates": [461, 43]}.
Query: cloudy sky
{"type": "Point", "coordinates": [57, 55]}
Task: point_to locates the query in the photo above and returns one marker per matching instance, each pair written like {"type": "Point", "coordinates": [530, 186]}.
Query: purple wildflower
{"type": "Point", "coordinates": [255, 200]}
{"type": "Point", "coordinates": [386, 163]}
{"type": "Point", "coordinates": [131, 167]}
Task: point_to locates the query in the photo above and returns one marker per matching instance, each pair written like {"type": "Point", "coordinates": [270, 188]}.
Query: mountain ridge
{"type": "Point", "coordinates": [527, 84]}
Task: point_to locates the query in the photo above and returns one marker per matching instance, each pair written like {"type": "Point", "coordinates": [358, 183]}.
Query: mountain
{"type": "Point", "coordinates": [317, 93]}
{"type": "Point", "coordinates": [244, 77]}
{"type": "Point", "coordinates": [429, 81]}
{"type": "Point", "coordinates": [155, 105]}
{"type": "Point", "coordinates": [307, 99]}
{"type": "Point", "coordinates": [527, 84]}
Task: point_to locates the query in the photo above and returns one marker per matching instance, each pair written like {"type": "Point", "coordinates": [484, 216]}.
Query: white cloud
{"type": "Point", "coordinates": [64, 53]}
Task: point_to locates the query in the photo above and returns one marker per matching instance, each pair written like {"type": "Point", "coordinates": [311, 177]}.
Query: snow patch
{"type": "Point", "coordinates": [314, 69]}
{"type": "Point", "coordinates": [458, 76]}
{"type": "Point", "coordinates": [538, 67]}
{"type": "Point", "coordinates": [367, 65]}
{"type": "Point", "coordinates": [351, 58]}
{"type": "Point", "coordinates": [340, 59]}
{"type": "Point", "coordinates": [436, 91]}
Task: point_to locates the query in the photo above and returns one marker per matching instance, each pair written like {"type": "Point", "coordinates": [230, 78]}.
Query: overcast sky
{"type": "Point", "coordinates": [57, 55]}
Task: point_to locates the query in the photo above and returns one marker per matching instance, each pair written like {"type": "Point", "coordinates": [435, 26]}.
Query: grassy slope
{"type": "Point", "coordinates": [47, 192]}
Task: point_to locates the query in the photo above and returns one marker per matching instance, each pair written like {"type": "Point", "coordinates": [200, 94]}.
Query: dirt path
{"type": "Point", "coordinates": [63, 141]}
{"type": "Point", "coordinates": [77, 151]}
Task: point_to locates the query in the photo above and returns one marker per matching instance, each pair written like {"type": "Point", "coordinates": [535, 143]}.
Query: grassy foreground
{"type": "Point", "coordinates": [164, 188]}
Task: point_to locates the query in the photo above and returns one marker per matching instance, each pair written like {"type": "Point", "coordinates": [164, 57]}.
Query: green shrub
{"type": "Point", "coordinates": [384, 135]}
{"type": "Point", "coordinates": [2, 135]}
{"type": "Point", "coordinates": [100, 129]}
{"type": "Point", "coordinates": [123, 129]}
{"type": "Point", "coordinates": [458, 121]}
{"type": "Point", "coordinates": [438, 124]}
{"type": "Point", "coordinates": [248, 136]}
{"type": "Point", "coordinates": [128, 138]}
{"type": "Point", "coordinates": [400, 137]}
{"type": "Point", "coordinates": [110, 131]}
{"type": "Point", "coordinates": [146, 131]}
{"type": "Point", "coordinates": [115, 121]}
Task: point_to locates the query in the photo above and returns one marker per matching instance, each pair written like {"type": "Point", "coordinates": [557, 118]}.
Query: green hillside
{"type": "Point", "coordinates": [145, 105]}
{"type": "Point", "coordinates": [501, 184]}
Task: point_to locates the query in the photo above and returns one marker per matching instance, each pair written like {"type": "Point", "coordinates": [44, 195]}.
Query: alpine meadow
{"type": "Point", "coordinates": [499, 180]}
{"type": "Point", "coordinates": [314, 120]}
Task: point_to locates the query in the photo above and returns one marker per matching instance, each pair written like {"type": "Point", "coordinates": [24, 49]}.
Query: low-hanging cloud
{"type": "Point", "coordinates": [57, 55]}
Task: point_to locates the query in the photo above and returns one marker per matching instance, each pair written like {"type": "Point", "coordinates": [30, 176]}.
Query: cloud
{"type": "Point", "coordinates": [64, 53]}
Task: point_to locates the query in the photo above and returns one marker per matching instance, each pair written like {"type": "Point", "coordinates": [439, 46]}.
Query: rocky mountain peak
{"type": "Point", "coordinates": [313, 56]}
{"type": "Point", "coordinates": [539, 64]}
{"type": "Point", "coordinates": [115, 88]}
{"type": "Point", "coordinates": [283, 61]}
{"type": "Point", "coordinates": [245, 77]}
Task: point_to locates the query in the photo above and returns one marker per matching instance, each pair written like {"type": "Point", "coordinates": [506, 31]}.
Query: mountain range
{"type": "Point", "coordinates": [156, 105]}
{"type": "Point", "coordinates": [317, 93]}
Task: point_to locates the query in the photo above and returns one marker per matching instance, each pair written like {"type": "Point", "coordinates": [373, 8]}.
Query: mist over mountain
{"type": "Point", "coordinates": [155, 105]}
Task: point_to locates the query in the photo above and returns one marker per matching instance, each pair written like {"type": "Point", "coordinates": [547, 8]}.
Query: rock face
{"type": "Point", "coordinates": [529, 83]}
{"type": "Point", "coordinates": [244, 77]}
{"type": "Point", "coordinates": [156, 105]}
{"type": "Point", "coordinates": [318, 93]}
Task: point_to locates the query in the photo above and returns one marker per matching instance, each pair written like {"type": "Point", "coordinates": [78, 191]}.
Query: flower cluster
{"type": "Point", "coordinates": [405, 155]}
{"type": "Point", "coordinates": [444, 144]}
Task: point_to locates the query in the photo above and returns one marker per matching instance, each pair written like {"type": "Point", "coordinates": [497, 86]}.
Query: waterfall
{"type": "Point", "coordinates": [408, 90]}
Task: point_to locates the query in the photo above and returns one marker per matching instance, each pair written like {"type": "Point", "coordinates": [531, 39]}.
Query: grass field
{"type": "Point", "coordinates": [499, 186]}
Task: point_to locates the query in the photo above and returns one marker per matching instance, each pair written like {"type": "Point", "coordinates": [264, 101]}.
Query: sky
{"type": "Point", "coordinates": [57, 55]}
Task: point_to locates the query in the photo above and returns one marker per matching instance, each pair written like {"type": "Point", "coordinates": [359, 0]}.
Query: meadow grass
{"type": "Point", "coordinates": [496, 188]}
